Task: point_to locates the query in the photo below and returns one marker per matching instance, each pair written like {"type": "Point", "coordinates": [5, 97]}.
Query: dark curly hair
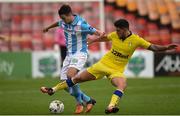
{"type": "Point", "coordinates": [65, 9]}
{"type": "Point", "coordinates": [121, 23]}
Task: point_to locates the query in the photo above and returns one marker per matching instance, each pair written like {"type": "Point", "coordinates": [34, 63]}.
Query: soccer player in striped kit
{"type": "Point", "coordinates": [76, 30]}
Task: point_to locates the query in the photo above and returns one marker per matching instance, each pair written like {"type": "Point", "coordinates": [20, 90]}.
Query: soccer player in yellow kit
{"type": "Point", "coordinates": [113, 63]}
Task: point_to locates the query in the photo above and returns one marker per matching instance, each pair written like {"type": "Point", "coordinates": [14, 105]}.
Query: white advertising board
{"type": "Point", "coordinates": [141, 65]}
{"type": "Point", "coordinates": [45, 64]}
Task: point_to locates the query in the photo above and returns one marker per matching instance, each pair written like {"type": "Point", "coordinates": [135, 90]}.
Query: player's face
{"type": "Point", "coordinates": [67, 18]}
{"type": "Point", "coordinates": [121, 32]}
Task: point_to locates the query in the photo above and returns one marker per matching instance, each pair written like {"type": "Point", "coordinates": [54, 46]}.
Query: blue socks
{"type": "Point", "coordinates": [83, 96]}
{"type": "Point", "coordinates": [75, 91]}
{"type": "Point", "coordinates": [78, 94]}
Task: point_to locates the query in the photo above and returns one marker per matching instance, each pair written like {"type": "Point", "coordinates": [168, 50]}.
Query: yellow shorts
{"type": "Point", "coordinates": [99, 70]}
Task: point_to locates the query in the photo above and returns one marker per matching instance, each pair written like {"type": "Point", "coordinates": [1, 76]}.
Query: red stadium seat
{"type": "Point", "coordinates": [25, 42]}
{"type": "Point", "coordinates": [165, 36]}
{"type": "Point", "coordinates": [48, 41]}
{"type": "Point", "coordinates": [4, 45]}
{"type": "Point", "coordinates": [153, 39]}
{"type": "Point", "coordinates": [37, 45]}
{"type": "Point", "coordinates": [176, 37]}
{"type": "Point", "coordinates": [15, 42]}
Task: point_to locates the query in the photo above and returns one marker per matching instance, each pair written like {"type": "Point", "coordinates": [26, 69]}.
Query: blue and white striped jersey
{"type": "Point", "coordinates": [76, 34]}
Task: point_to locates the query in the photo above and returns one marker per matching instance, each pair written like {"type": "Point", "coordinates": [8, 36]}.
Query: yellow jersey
{"type": "Point", "coordinates": [122, 50]}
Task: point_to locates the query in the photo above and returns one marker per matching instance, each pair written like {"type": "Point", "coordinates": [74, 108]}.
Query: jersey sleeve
{"type": "Point", "coordinates": [110, 36]}
{"type": "Point", "coordinates": [60, 23]}
{"type": "Point", "coordinates": [88, 28]}
{"type": "Point", "coordinates": [143, 43]}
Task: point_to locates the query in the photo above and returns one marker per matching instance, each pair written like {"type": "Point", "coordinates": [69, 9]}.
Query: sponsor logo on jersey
{"type": "Point", "coordinates": [116, 53]}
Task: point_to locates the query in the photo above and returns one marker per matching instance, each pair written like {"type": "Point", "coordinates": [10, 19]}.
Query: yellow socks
{"type": "Point", "coordinates": [63, 85]}
{"type": "Point", "coordinates": [115, 98]}
{"type": "Point", "coordinates": [60, 86]}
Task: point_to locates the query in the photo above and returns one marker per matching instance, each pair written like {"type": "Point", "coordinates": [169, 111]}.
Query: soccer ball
{"type": "Point", "coordinates": [56, 107]}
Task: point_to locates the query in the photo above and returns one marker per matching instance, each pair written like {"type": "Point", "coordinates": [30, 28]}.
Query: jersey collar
{"type": "Point", "coordinates": [127, 36]}
{"type": "Point", "coordinates": [76, 19]}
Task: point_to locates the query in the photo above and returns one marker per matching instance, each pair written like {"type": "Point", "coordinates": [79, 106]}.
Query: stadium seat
{"type": "Point", "coordinates": [35, 8]}
{"type": "Point", "coordinates": [6, 9]}
{"type": "Point", "coordinates": [165, 36]}
{"type": "Point", "coordinates": [162, 8]}
{"type": "Point", "coordinates": [48, 41]}
{"type": "Point", "coordinates": [26, 25]}
{"type": "Point", "coordinates": [37, 44]}
{"type": "Point", "coordinates": [25, 42]}
{"type": "Point", "coordinates": [47, 19]}
{"type": "Point", "coordinates": [37, 24]}
{"type": "Point", "coordinates": [47, 9]}
{"type": "Point", "coordinates": [176, 37]}
{"type": "Point", "coordinates": [15, 46]}
{"type": "Point", "coordinates": [132, 21]}
{"type": "Point", "coordinates": [109, 8]}
{"type": "Point", "coordinates": [121, 3]}
{"type": "Point", "coordinates": [78, 7]}
{"type": "Point", "coordinates": [153, 39]}
{"type": "Point", "coordinates": [165, 19]}
{"type": "Point", "coordinates": [132, 5]}
{"type": "Point", "coordinates": [141, 24]}
{"type": "Point", "coordinates": [16, 23]}
{"type": "Point", "coordinates": [152, 10]}
{"type": "Point", "coordinates": [142, 8]}
{"type": "Point", "coordinates": [118, 14]}
{"type": "Point", "coordinates": [4, 45]}
{"type": "Point", "coordinates": [175, 18]}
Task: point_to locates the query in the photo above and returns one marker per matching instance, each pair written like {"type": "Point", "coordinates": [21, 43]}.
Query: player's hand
{"type": "Point", "coordinates": [103, 34]}
{"type": "Point", "coordinates": [45, 30]}
{"type": "Point", "coordinates": [172, 46]}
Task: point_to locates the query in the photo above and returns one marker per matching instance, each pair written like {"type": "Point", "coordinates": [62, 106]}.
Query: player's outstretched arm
{"type": "Point", "coordinates": [49, 27]}
{"type": "Point", "coordinates": [160, 48]}
{"type": "Point", "coordinates": [101, 38]}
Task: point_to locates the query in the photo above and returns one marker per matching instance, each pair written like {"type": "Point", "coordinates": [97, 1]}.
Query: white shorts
{"type": "Point", "coordinates": [76, 60]}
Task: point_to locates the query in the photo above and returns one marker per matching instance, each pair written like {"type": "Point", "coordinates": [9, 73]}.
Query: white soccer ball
{"type": "Point", "coordinates": [56, 107]}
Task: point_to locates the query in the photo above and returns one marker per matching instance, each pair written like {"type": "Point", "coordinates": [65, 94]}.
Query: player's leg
{"type": "Point", "coordinates": [77, 63]}
{"type": "Point", "coordinates": [81, 77]}
{"type": "Point", "coordinates": [81, 95]}
{"type": "Point", "coordinates": [76, 92]}
{"type": "Point", "coordinates": [120, 84]}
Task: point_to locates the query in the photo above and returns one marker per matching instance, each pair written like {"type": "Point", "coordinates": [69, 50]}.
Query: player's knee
{"type": "Point", "coordinates": [77, 79]}
{"type": "Point", "coordinates": [69, 76]}
{"type": "Point", "coordinates": [122, 86]}
{"type": "Point", "coordinates": [72, 72]}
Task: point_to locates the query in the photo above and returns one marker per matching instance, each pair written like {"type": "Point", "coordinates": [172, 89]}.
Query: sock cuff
{"type": "Point", "coordinates": [69, 82]}
{"type": "Point", "coordinates": [118, 93]}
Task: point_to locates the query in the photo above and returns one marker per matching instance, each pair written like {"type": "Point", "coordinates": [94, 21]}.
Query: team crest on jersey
{"type": "Point", "coordinates": [78, 27]}
{"type": "Point", "coordinates": [130, 44]}
{"type": "Point", "coordinates": [74, 60]}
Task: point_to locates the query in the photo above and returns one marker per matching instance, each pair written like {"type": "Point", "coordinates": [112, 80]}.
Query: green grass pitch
{"type": "Point", "coordinates": [143, 96]}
